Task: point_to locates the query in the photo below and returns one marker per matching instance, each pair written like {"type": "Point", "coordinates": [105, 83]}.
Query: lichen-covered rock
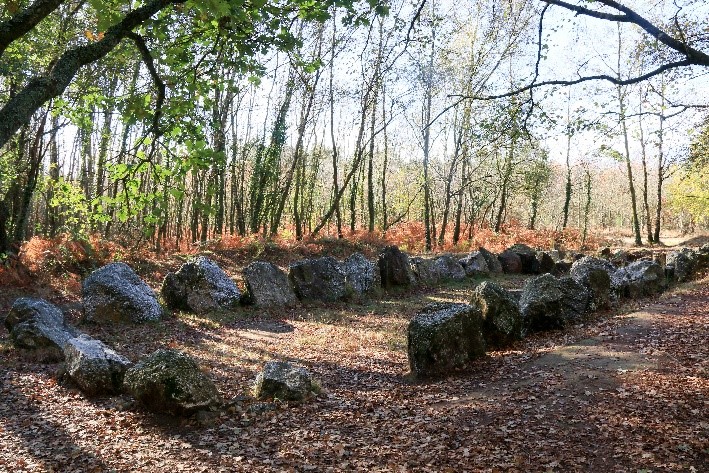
{"type": "Point", "coordinates": [361, 275]}
{"type": "Point", "coordinates": [114, 293]}
{"type": "Point", "coordinates": [448, 268]}
{"type": "Point", "coordinates": [444, 337]}
{"type": "Point", "coordinates": [200, 286]}
{"type": "Point", "coordinates": [425, 270]}
{"type": "Point", "coordinates": [641, 278]}
{"type": "Point", "coordinates": [38, 324]}
{"type": "Point", "coordinates": [93, 366]}
{"type": "Point", "coordinates": [551, 303]}
{"type": "Point", "coordinates": [546, 262]}
{"type": "Point", "coordinates": [527, 257]}
{"type": "Point", "coordinates": [170, 381]}
{"type": "Point", "coordinates": [284, 381]}
{"type": "Point", "coordinates": [474, 265]}
{"type": "Point", "coordinates": [395, 268]}
{"type": "Point", "coordinates": [268, 286]}
{"type": "Point", "coordinates": [321, 279]}
{"type": "Point", "coordinates": [575, 303]}
{"type": "Point", "coordinates": [595, 275]}
{"type": "Point", "coordinates": [684, 263]}
{"type": "Point", "coordinates": [493, 264]}
{"type": "Point", "coordinates": [510, 261]}
{"type": "Point", "coordinates": [502, 322]}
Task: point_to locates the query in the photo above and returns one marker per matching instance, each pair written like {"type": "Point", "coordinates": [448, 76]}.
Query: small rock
{"type": "Point", "coordinates": [493, 264]}
{"type": "Point", "coordinates": [284, 381]}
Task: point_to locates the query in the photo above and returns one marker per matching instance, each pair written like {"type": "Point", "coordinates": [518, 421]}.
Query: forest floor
{"type": "Point", "coordinates": [627, 391]}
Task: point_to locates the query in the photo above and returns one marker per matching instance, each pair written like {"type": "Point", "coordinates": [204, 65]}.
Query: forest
{"type": "Point", "coordinates": [354, 235]}
{"type": "Point", "coordinates": [177, 123]}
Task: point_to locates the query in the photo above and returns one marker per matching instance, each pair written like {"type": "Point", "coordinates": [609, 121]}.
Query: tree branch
{"type": "Point", "coordinates": [605, 77]}
{"type": "Point", "coordinates": [159, 84]}
{"type": "Point", "coordinates": [694, 56]}
{"type": "Point", "coordinates": [19, 109]}
{"type": "Point", "coordinates": [19, 24]}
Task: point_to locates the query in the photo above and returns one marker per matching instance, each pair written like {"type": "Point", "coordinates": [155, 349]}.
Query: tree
{"type": "Point", "coordinates": [683, 46]}
{"type": "Point", "coordinates": [242, 22]}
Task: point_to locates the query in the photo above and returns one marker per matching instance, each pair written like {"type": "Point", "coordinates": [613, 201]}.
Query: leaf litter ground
{"type": "Point", "coordinates": [625, 392]}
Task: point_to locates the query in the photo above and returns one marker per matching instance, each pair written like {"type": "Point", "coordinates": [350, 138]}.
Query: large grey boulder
{"type": "Point", "coordinates": [425, 270]}
{"type": "Point", "coordinates": [444, 337]}
{"type": "Point", "coordinates": [474, 265]}
{"type": "Point", "coordinates": [395, 268]}
{"type": "Point", "coordinates": [546, 262]}
{"type": "Point", "coordinates": [321, 279]}
{"type": "Point", "coordinates": [200, 286]}
{"type": "Point", "coordinates": [268, 286]}
{"type": "Point", "coordinates": [449, 268]}
{"type": "Point", "coordinates": [510, 261]}
{"type": "Point", "coordinates": [493, 264]}
{"type": "Point", "coordinates": [640, 278]}
{"type": "Point", "coordinates": [170, 381]}
{"type": "Point", "coordinates": [595, 275]}
{"type": "Point", "coordinates": [502, 322]}
{"type": "Point", "coordinates": [93, 366]}
{"type": "Point", "coordinates": [36, 323]}
{"type": "Point", "coordinates": [549, 303]}
{"type": "Point", "coordinates": [114, 293]}
{"type": "Point", "coordinates": [362, 276]}
{"type": "Point", "coordinates": [284, 381]}
{"type": "Point", "coordinates": [684, 262]}
{"type": "Point", "coordinates": [527, 256]}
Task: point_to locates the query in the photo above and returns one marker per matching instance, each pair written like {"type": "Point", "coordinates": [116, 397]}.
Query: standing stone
{"type": "Point", "coordinates": [268, 286]}
{"type": "Point", "coordinates": [502, 322]}
{"type": "Point", "coordinates": [546, 262]}
{"type": "Point", "coordinates": [320, 279]}
{"type": "Point", "coordinates": [93, 366]}
{"type": "Point", "coordinates": [448, 268]}
{"type": "Point", "coordinates": [114, 293]}
{"type": "Point", "coordinates": [474, 265]}
{"type": "Point", "coordinates": [527, 257]}
{"type": "Point", "coordinates": [684, 263]}
{"type": "Point", "coordinates": [35, 323]}
{"type": "Point", "coordinates": [493, 264]}
{"type": "Point", "coordinates": [510, 261]}
{"type": "Point", "coordinates": [395, 268]}
{"type": "Point", "coordinates": [361, 275]}
{"type": "Point", "coordinates": [425, 270]}
{"type": "Point", "coordinates": [444, 337]}
{"type": "Point", "coordinates": [576, 299]}
{"type": "Point", "coordinates": [283, 381]}
{"type": "Point", "coordinates": [170, 381]}
{"type": "Point", "coordinates": [200, 286]}
{"type": "Point", "coordinates": [551, 303]}
{"type": "Point", "coordinates": [640, 278]}
{"type": "Point", "coordinates": [594, 274]}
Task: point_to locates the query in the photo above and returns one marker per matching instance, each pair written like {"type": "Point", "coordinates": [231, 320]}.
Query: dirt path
{"type": "Point", "coordinates": [623, 393]}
